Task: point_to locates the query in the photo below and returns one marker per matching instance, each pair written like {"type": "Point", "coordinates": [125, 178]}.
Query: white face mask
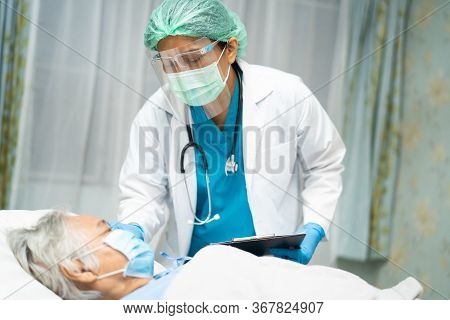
{"type": "Point", "coordinates": [200, 86]}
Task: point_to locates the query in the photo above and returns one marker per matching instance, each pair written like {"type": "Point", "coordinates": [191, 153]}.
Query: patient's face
{"type": "Point", "coordinates": [96, 230]}
{"type": "Point", "coordinates": [114, 286]}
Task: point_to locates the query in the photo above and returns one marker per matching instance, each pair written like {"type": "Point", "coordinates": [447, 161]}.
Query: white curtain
{"type": "Point", "coordinates": [88, 76]}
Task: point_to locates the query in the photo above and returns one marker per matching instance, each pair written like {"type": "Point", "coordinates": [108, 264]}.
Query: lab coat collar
{"type": "Point", "coordinates": [258, 86]}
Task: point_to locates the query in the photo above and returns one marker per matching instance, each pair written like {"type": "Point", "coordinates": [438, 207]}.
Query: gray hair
{"type": "Point", "coordinates": [40, 250]}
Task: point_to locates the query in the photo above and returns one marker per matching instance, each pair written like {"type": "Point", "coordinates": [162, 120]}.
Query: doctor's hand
{"type": "Point", "coordinates": [314, 233]}
{"type": "Point", "coordinates": [134, 228]}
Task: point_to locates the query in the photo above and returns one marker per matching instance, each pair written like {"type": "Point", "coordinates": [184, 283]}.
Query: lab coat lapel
{"type": "Point", "coordinates": [179, 189]}
{"type": "Point", "coordinates": [250, 134]}
{"type": "Point", "coordinates": [255, 89]}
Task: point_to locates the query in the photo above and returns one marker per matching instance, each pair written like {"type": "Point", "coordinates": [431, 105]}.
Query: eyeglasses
{"type": "Point", "coordinates": [172, 59]}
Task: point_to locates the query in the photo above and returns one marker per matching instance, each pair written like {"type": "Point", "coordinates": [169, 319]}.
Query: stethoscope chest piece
{"type": "Point", "coordinates": [231, 166]}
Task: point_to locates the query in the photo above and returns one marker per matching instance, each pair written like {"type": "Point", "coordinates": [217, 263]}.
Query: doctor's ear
{"type": "Point", "coordinates": [232, 49]}
{"type": "Point", "coordinates": [80, 275]}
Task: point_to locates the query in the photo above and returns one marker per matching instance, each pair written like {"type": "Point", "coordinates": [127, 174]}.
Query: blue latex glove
{"type": "Point", "coordinates": [134, 228]}
{"type": "Point", "coordinates": [314, 233]}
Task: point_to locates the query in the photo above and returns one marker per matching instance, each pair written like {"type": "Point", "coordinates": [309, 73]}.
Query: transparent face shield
{"type": "Point", "coordinates": [191, 76]}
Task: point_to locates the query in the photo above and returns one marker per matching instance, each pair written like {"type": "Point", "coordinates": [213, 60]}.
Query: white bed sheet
{"type": "Point", "coordinates": [222, 272]}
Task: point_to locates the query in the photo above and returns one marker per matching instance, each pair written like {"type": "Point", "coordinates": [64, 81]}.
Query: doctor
{"type": "Point", "coordinates": [225, 149]}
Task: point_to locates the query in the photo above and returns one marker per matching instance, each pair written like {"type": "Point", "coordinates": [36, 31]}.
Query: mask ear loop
{"type": "Point", "coordinates": [105, 275]}
{"type": "Point", "coordinates": [229, 65]}
{"type": "Point", "coordinates": [112, 273]}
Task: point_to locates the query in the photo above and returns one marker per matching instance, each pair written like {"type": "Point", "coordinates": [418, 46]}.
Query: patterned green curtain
{"type": "Point", "coordinates": [14, 37]}
{"type": "Point", "coordinates": [373, 110]}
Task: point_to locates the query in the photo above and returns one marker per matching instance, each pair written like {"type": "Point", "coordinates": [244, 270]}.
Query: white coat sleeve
{"type": "Point", "coordinates": [321, 151]}
{"type": "Point", "coordinates": [143, 178]}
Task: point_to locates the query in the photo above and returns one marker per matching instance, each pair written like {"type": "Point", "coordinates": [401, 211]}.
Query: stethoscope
{"type": "Point", "coordinates": [231, 166]}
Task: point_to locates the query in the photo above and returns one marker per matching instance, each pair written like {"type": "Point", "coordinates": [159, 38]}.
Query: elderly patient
{"type": "Point", "coordinates": [59, 251]}
{"type": "Point", "coordinates": [81, 257]}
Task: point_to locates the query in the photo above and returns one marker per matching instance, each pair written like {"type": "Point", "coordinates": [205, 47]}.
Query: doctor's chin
{"type": "Point", "coordinates": [177, 150]}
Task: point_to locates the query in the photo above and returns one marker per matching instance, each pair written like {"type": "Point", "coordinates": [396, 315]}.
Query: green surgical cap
{"type": "Point", "coordinates": [195, 18]}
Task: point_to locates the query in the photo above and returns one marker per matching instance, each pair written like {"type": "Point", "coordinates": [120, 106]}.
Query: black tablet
{"type": "Point", "coordinates": [260, 246]}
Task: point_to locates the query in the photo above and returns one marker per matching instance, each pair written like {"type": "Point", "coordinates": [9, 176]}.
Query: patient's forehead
{"type": "Point", "coordinates": [89, 225]}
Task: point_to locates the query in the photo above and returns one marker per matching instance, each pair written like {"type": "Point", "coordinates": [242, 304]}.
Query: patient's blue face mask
{"type": "Point", "coordinates": [140, 256]}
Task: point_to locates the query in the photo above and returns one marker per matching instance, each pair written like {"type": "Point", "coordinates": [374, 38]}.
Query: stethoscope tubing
{"type": "Point", "coordinates": [198, 147]}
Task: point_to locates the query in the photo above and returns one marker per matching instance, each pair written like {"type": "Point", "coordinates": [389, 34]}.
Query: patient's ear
{"type": "Point", "coordinates": [80, 275]}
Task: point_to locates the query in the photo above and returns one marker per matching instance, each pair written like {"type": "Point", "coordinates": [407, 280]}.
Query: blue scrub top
{"type": "Point", "coordinates": [228, 193]}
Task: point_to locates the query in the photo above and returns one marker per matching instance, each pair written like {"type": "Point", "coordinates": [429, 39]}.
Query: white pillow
{"type": "Point", "coordinates": [15, 282]}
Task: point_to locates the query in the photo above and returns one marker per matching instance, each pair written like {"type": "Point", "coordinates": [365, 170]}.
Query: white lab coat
{"type": "Point", "coordinates": [304, 146]}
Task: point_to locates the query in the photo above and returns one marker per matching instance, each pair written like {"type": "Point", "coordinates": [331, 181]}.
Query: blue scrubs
{"type": "Point", "coordinates": [228, 193]}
